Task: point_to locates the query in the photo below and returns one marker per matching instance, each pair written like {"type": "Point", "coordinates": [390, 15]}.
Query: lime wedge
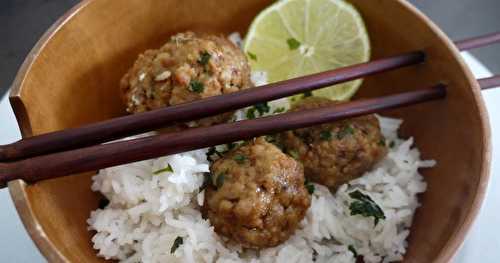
{"type": "Point", "coordinates": [292, 38]}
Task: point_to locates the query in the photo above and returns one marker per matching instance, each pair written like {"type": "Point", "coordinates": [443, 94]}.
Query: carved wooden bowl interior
{"type": "Point", "coordinates": [72, 77]}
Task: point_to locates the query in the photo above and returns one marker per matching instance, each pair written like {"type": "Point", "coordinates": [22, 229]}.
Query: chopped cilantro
{"type": "Point", "coordinates": [309, 186]}
{"type": "Point", "coordinates": [270, 139]}
{"type": "Point", "coordinates": [251, 113]}
{"type": "Point", "coordinates": [103, 203]}
{"type": "Point", "coordinates": [381, 142]}
{"type": "Point", "coordinates": [365, 206]}
{"type": "Point", "coordinates": [293, 43]}
{"type": "Point", "coordinates": [392, 144]}
{"type": "Point", "coordinates": [207, 178]}
{"type": "Point", "coordinates": [315, 255]}
{"type": "Point", "coordinates": [279, 110]}
{"type": "Point", "coordinates": [307, 94]}
{"type": "Point", "coordinates": [294, 154]}
{"type": "Point", "coordinates": [177, 243]}
{"type": "Point", "coordinates": [219, 181]}
{"type": "Point", "coordinates": [240, 159]}
{"type": "Point", "coordinates": [164, 170]}
{"type": "Point", "coordinates": [196, 86]}
{"type": "Point", "coordinates": [211, 151]}
{"type": "Point", "coordinates": [344, 132]}
{"type": "Point", "coordinates": [262, 108]}
{"type": "Point", "coordinates": [325, 135]}
{"type": "Point", "coordinates": [353, 251]}
{"type": "Point", "coordinates": [252, 56]}
{"type": "Point", "coordinates": [204, 58]}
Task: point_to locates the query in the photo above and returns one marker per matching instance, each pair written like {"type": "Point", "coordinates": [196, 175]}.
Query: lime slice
{"type": "Point", "coordinates": [292, 38]}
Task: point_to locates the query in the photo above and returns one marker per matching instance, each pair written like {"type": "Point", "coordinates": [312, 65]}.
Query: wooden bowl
{"type": "Point", "coordinates": [71, 78]}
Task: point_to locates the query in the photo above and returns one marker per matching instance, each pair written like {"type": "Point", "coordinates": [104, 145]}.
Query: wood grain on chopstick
{"type": "Point", "coordinates": [138, 123]}
{"type": "Point", "coordinates": [107, 155]}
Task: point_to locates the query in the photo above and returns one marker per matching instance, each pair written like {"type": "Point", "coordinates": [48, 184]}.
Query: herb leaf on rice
{"type": "Point", "coordinates": [177, 243]}
{"type": "Point", "coordinates": [167, 169]}
{"type": "Point", "coordinates": [365, 206]}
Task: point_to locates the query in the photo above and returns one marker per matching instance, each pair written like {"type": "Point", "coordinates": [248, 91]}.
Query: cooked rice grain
{"type": "Point", "coordinates": [148, 211]}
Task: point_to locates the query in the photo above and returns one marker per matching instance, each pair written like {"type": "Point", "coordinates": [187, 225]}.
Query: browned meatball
{"type": "Point", "coordinates": [189, 67]}
{"type": "Point", "coordinates": [335, 153]}
{"type": "Point", "coordinates": [259, 197]}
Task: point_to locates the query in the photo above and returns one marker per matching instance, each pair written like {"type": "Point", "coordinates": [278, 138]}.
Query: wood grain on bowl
{"type": "Point", "coordinates": [72, 78]}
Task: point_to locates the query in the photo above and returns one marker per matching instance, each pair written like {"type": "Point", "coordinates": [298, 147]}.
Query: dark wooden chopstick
{"type": "Point", "coordinates": [116, 153]}
{"type": "Point", "coordinates": [477, 42]}
{"type": "Point", "coordinates": [138, 123]}
{"type": "Point", "coordinates": [134, 124]}
{"type": "Point", "coordinates": [488, 83]}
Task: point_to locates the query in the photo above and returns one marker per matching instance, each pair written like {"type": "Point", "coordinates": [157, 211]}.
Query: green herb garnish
{"type": "Point", "coordinates": [365, 206]}
{"type": "Point", "coordinates": [392, 144]}
{"type": "Point", "coordinates": [204, 58]}
{"type": "Point", "coordinates": [177, 243]}
{"type": "Point", "coordinates": [293, 43]}
{"type": "Point", "coordinates": [262, 108]}
{"type": "Point", "coordinates": [211, 151]}
{"type": "Point", "coordinates": [325, 135]}
{"type": "Point", "coordinates": [196, 86]}
{"type": "Point", "coordinates": [207, 178]}
{"type": "Point", "coordinates": [353, 250]}
{"type": "Point", "coordinates": [344, 132]}
{"type": "Point", "coordinates": [309, 186]}
{"type": "Point", "coordinates": [251, 113]}
{"type": "Point", "coordinates": [307, 94]}
{"type": "Point", "coordinates": [240, 159]}
{"type": "Point", "coordinates": [103, 202]}
{"type": "Point", "coordinates": [219, 181]}
{"type": "Point", "coordinates": [164, 170]}
{"type": "Point", "coordinates": [270, 139]}
{"type": "Point", "coordinates": [294, 154]}
{"type": "Point", "coordinates": [279, 110]}
{"type": "Point", "coordinates": [381, 142]}
{"type": "Point", "coordinates": [252, 56]}
{"type": "Point", "coordinates": [231, 146]}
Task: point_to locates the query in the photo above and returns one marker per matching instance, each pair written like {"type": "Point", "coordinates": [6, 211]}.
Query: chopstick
{"type": "Point", "coordinates": [489, 83]}
{"type": "Point", "coordinates": [477, 42]}
{"type": "Point", "coordinates": [117, 153]}
{"type": "Point", "coordinates": [139, 123]}
{"type": "Point", "coordinates": [134, 124]}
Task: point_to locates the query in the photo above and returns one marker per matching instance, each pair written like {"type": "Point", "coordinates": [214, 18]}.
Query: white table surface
{"type": "Point", "coordinates": [482, 243]}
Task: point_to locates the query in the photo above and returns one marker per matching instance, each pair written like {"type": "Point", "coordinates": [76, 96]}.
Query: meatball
{"type": "Point", "coordinates": [258, 197]}
{"type": "Point", "coordinates": [335, 153]}
{"type": "Point", "coordinates": [187, 68]}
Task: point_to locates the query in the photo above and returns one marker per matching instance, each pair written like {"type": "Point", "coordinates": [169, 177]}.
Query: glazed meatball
{"type": "Point", "coordinates": [189, 67]}
{"type": "Point", "coordinates": [335, 153]}
{"type": "Point", "coordinates": [258, 197]}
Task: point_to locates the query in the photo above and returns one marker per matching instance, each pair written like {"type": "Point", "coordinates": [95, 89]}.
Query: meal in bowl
{"type": "Point", "coordinates": [330, 193]}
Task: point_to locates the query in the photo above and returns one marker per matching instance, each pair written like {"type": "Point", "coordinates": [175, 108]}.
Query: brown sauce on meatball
{"type": "Point", "coordinates": [335, 153]}
{"type": "Point", "coordinates": [261, 199]}
{"type": "Point", "coordinates": [187, 68]}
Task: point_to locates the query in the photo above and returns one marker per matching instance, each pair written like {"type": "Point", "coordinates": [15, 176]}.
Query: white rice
{"type": "Point", "coordinates": [148, 211]}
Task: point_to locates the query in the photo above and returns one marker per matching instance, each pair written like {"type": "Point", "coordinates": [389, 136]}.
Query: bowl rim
{"type": "Point", "coordinates": [18, 188]}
